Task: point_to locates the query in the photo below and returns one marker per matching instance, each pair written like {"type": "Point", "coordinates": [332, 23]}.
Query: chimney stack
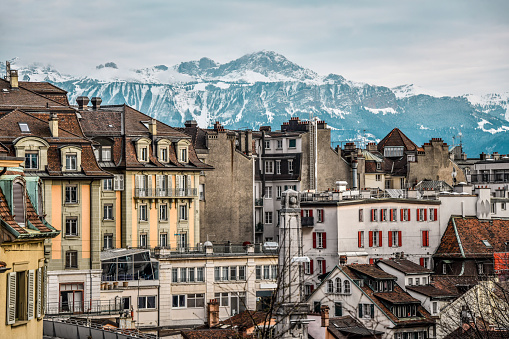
{"type": "Point", "coordinates": [249, 142]}
{"type": "Point", "coordinates": [13, 78]}
{"type": "Point", "coordinates": [324, 313]}
{"type": "Point", "coordinates": [96, 103]}
{"type": "Point", "coordinates": [152, 127]}
{"type": "Point", "coordinates": [82, 102]}
{"type": "Point", "coordinates": [212, 313]}
{"type": "Point", "coordinates": [53, 125]}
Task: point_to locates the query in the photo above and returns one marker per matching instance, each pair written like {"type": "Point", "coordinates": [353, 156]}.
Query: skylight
{"type": "Point", "coordinates": [23, 126]}
{"type": "Point", "coordinates": [486, 243]}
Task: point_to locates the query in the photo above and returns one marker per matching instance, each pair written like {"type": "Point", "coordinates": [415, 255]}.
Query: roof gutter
{"type": "Point", "coordinates": [458, 238]}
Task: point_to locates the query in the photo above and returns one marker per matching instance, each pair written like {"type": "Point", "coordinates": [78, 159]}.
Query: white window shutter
{"type": "Point", "coordinates": [149, 183]}
{"type": "Point", "coordinates": [11, 298]}
{"type": "Point", "coordinates": [38, 306]}
{"type": "Point", "coordinates": [44, 290]}
{"type": "Point", "coordinates": [177, 185]}
{"type": "Point", "coordinates": [158, 181]}
{"type": "Point", "coordinates": [31, 294]}
{"type": "Point", "coordinates": [115, 183]}
{"type": "Point", "coordinates": [170, 181]}
{"type": "Point", "coordinates": [121, 182]}
{"type": "Point", "coordinates": [137, 181]}
{"type": "Point", "coordinates": [188, 183]}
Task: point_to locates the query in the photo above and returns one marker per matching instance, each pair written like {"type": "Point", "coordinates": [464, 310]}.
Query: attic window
{"type": "Point", "coordinates": [486, 243]}
{"type": "Point", "coordinates": [145, 123]}
{"type": "Point", "coordinates": [23, 126]}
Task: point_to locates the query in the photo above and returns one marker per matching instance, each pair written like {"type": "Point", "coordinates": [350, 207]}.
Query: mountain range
{"type": "Point", "coordinates": [265, 88]}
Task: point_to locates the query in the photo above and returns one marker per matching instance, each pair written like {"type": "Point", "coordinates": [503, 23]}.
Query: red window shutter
{"type": "Point", "coordinates": [310, 213]}
{"type": "Point", "coordinates": [324, 240]}
{"type": "Point", "coordinates": [418, 211]}
{"type": "Point", "coordinates": [324, 266]}
{"type": "Point", "coordinates": [425, 214]}
{"type": "Point", "coordinates": [323, 215]}
{"type": "Point", "coordinates": [402, 211]}
{"type": "Point", "coordinates": [390, 238]}
{"type": "Point", "coordinates": [372, 215]}
{"type": "Point", "coordinates": [371, 261]}
{"type": "Point", "coordinates": [423, 238]}
{"type": "Point", "coordinates": [380, 238]}
{"type": "Point", "coordinates": [392, 214]}
{"type": "Point", "coordinates": [408, 212]}
{"type": "Point", "coordinates": [400, 243]}
{"type": "Point", "coordinates": [421, 262]}
{"type": "Point", "coordinates": [311, 268]}
{"type": "Point", "coordinates": [301, 213]}
{"type": "Point", "coordinates": [370, 238]}
{"type": "Point", "coordinates": [312, 288]}
{"type": "Point", "coordinates": [435, 211]}
{"type": "Point", "coordinates": [314, 239]}
{"type": "Point", "coordinates": [427, 238]}
{"type": "Point", "coordinates": [359, 238]}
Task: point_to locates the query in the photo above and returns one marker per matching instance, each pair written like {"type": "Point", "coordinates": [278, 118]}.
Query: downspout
{"type": "Point", "coordinates": [460, 246]}
{"type": "Point", "coordinates": [354, 174]}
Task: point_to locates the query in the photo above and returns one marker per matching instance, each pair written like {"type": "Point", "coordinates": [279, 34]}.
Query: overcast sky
{"type": "Point", "coordinates": [450, 46]}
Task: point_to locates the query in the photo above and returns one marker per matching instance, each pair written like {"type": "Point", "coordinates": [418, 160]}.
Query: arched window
{"type": "Point", "coordinates": [330, 286]}
{"type": "Point", "coordinates": [338, 285]}
{"type": "Point", "coordinates": [18, 202]}
{"type": "Point", "coordinates": [346, 287]}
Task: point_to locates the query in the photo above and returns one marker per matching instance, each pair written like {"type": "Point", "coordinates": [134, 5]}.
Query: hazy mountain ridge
{"type": "Point", "coordinates": [265, 88]}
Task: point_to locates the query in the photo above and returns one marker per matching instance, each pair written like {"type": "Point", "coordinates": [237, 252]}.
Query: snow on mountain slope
{"type": "Point", "coordinates": [405, 91]}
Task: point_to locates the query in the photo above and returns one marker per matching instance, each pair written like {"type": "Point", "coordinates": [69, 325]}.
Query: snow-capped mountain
{"type": "Point", "coordinates": [265, 88]}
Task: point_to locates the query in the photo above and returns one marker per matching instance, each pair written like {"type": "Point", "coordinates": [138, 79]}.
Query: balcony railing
{"type": "Point", "coordinates": [92, 307]}
{"type": "Point", "coordinates": [308, 221]}
{"type": "Point", "coordinates": [165, 193]}
{"type": "Point", "coordinates": [490, 178]}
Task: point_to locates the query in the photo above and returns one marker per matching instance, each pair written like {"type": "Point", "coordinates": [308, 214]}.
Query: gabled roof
{"type": "Point", "coordinates": [396, 138]}
{"type": "Point", "coordinates": [246, 319]}
{"type": "Point", "coordinates": [348, 326]}
{"type": "Point", "coordinates": [432, 291]}
{"type": "Point", "coordinates": [470, 237]}
{"type": "Point", "coordinates": [23, 98]}
{"type": "Point", "coordinates": [406, 266]}
{"type": "Point", "coordinates": [371, 271]}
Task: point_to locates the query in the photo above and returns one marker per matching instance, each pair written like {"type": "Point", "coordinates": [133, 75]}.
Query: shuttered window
{"type": "Point", "coordinates": [31, 294]}
{"type": "Point", "coordinates": [118, 182]}
{"type": "Point", "coordinates": [11, 298]}
{"type": "Point", "coordinates": [19, 203]}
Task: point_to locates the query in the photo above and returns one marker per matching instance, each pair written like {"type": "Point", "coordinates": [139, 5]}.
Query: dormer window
{"type": "Point", "coordinates": [393, 151]}
{"type": "Point", "coordinates": [23, 126]}
{"type": "Point", "coordinates": [105, 153]}
{"type": "Point", "coordinates": [144, 154]}
{"type": "Point", "coordinates": [18, 202]}
{"type": "Point", "coordinates": [31, 160]}
{"type": "Point", "coordinates": [164, 154]}
{"type": "Point", "coordinates": [145, 123]}
{"type": "Point", "coordinates": [71, 162]}
{"type": "Point", "coordinates": [183, 154]}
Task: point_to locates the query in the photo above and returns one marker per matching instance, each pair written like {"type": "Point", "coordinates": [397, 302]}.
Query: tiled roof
{"type": "Point", "coordinates": [450, 283]}
{"type": "Point", "coordinates": [406, 266]}
{"type": "Point", "coordinates": [396, 297]}
{"type": "Point", "coordinates": [396, 138]}
{"type": "Point", "coordinates": [437, 185]}
{"type": "Point", "coordinates": [346, 326]}
{"type": "Point", "coordinates": [47, 90]}
{"type": "Point", "coordinates": [23, 98]}
{"type": "Point", "coordinates": [377, 299]}
{"type": "Point", "coordinates": [431, 291]}
{"type": "Point", "coordinates": [475, 238]}
{"type": "Point", "coordinates": [6, 216]}
{"type": "Point", "coordinates": [210, 334]}
{"type": "Point", "coordinates": [371, 271]}
{"type": "Point", "coordinates": [246, 319]}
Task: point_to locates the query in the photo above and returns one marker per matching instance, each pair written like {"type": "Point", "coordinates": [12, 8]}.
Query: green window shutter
{"type": "Point", "coordinates": [11, 298]}
{"type": "Point", "coordinates": [360, 310]}
{"type": "Point", "coordinates": [372, 310]}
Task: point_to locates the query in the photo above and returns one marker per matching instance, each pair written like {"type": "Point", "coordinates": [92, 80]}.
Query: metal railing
{"type": "Point", "coordinates": [165, 193]}
{"type": "Point", "coordinates": [490, 178]}
{"type": "Point", "coordinates": [91, 307]}
{"type": "Point", "coordinates": [83, 329]}
{"type": "Point", "coordinates": [308, 221]}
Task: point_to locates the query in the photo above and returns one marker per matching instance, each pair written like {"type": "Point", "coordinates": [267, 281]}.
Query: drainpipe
{"type": "Point", "coordinates": [354, 174]}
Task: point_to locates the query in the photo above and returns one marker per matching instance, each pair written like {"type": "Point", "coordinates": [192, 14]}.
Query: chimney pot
{"type": "Point", "coordinates": [96, 103]}
{"type": "Point", "coordinates": [82, 102]}
{"type": "Point", "coordinates": [53, 125]}
{"type": "Point", "coordinates": [14, 78]}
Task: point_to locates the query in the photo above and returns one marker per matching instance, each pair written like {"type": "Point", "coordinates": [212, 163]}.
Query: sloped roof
{"type": "Point", "coordinates": [396, 138]}
{"type": "Point", "coordinates": [210, 334]}
{"type": "Point", "coordinates": [371, 271]}
{"type": "Point", "coordinates": [406, 266]}
{"type": "Point", "coordinates": [246, 319]}
{"type": "Point", "coordinates": [23, 98]}
{"type": "Point", "coordinates": [349, 326]}
{"type": "Point", "coordinates": [431, 291]}
{"type": "Point", "coordinates": [464, 237]}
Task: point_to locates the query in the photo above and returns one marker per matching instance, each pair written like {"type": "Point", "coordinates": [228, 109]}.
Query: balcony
{"type": "Point", "coordinates": [490, 178]}
{"type": "Point", "coordinates": [165, 193]}
{"type": "Point", "coordinates": [90, 307]}
{"type": "Point", "coordinates": [308, 221]}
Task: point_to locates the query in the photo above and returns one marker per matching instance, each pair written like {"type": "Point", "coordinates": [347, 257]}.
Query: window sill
{"type": "Point", "coordinates": [20, 323]}
{"type": "Point", "coordinates": [147, 309]}
{"type": "Point", "coordinates": [108, 219]}
{"type": "Point", "coordinates": [72, 268]}
{"type": "Point", "coordinates": [71, 237]}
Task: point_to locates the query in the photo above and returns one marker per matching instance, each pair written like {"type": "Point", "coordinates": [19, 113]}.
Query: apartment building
{"type": "Point", "coordinates": [375, 298]}
{"type": "Point", "coordinates": [23, 230]}
{"type": "Point", "coordinates": [298, 157]}
{"type": "Point", "coordinates": [46, 133]}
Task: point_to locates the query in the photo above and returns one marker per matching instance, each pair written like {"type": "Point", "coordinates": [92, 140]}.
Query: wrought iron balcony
{"type": "Point", "coordinates": [308, 221]}
{"type": "Point", "coordinates": [165, 193]}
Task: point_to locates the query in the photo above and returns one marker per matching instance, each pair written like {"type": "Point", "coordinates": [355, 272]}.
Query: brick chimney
{"type": "Point", "coordinates": [82, 102]}
{"type": "Point", "coordinates": [96, 103]}
{"type": "Point", "coordinates": [53, 125]}
{"type": "Point", "coordinates": [191, 123]}
{"type": "Point", "coordinates": [212, 313]}
{"type": "Point", "coordinates": [324, 313]}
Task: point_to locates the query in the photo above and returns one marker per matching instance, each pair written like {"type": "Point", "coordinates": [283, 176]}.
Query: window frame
{"type": "Point", "coordinates": [71, 191]}
{"type": "Point", "coordinates": [108, 213]}
{"type": "Point", "coordinates": [146, 303]}
{"type": "Point", "coordinates": [143, 213]}
{"type": "Point", "coordinates": [29, 155]}
{"type": "Point", "coordinates": [71, 259]}
{"type": "Point", "coordinates": [108, 241]}
{"type": "Point", "coordinates": [69, 232]}
{"type": "Point", "coordinates": [71, 162]}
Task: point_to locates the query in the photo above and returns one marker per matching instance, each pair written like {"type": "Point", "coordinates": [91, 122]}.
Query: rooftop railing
{"type": "Point", "coordinates": [165, 193]}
